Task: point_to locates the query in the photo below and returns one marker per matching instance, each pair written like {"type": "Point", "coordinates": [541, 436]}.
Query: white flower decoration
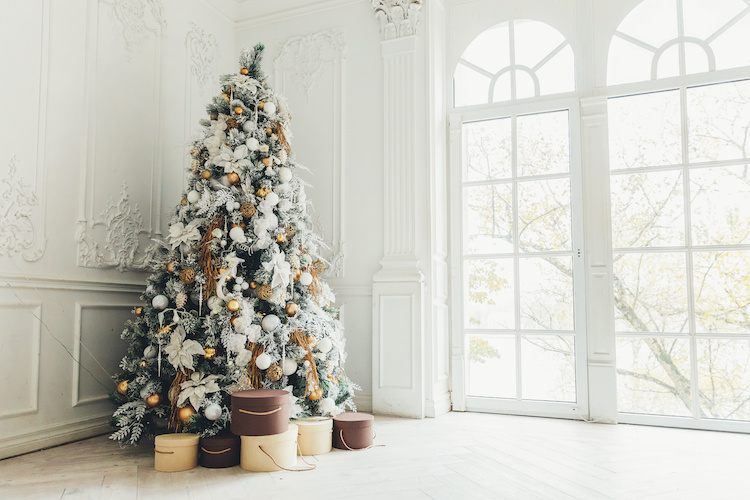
{"type": "Point", "coordinates": [281, 270]}
{"type": "Point", "coordinates": [180, 352]}
{"type": "Point", "coordinates": [196, 388]}
{"type": "Point", "coordinates": [231, 161]}
{"type": "Point", "coordinates": [180, 233]}
{"type": "Point", "coordinates": [219, 125]}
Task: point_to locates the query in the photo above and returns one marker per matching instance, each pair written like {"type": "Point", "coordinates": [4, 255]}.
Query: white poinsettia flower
{"type": "Point", "coordinates": [180, 233]}
{"type": "Point", "coordinates": [180, 352]}
{"type": "Point", "coordinates": [281, 270]}
{"type": "Point", "coordinates": [219, 125]}
{"type": "Point", "coordinates": [232, 160]}
{"type": "Point", "coordinates": [196, 388]}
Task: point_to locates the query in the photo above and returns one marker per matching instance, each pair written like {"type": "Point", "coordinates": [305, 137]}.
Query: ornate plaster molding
{"type": "Point", "coordinates": [131, 14]}
{"type": "Point", "coordinates": [398, 18]}
{"type": "Point", "coordinates": [123, 224]}
{"type": "Point", "coordinates": [17, 202]}
{"type": "Point", "coordinates": [202, 49]}
{"type": "Point", "coordinates": [305, 55]}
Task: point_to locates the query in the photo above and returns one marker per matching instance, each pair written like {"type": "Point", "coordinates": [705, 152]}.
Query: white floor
{"type": "Point", "coordinates": [459, 455]}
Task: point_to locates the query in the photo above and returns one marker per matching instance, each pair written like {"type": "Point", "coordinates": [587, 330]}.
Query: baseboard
{"type": "Point", "coordinates": [363, 402]}
{"type": "Point", "coordinates": [54, 435]}
{"type": "Point", "coordinates": [437, 407]}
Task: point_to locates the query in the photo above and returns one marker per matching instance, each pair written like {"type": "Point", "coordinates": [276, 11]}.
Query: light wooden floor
{"type": "Point", "coordinates": [457, 456]}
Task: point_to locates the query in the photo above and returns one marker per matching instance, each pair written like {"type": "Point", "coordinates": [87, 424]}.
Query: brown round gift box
{"type": "Point", "coordinates": [353, 431]}
{"type": "Point", "coordinates": [260, 412]}
{"type": "Point", "coordinates": [222, 450]}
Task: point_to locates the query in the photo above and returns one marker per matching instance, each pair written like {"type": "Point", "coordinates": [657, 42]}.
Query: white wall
{"type": "Point", "coordinates": [92, 97]}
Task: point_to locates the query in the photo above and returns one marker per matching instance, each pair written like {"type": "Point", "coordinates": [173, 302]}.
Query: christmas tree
{"type": "Point", "coordinates": [235, 300]}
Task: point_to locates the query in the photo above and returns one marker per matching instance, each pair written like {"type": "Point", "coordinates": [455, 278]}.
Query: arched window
{"type": "Point", "coordinates": [514, 60]}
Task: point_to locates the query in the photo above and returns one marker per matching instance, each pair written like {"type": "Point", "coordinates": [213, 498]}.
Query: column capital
{"type": "Point", "coordinates": [398, 18]}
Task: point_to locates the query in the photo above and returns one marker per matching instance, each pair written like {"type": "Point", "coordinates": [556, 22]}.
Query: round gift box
{"type": "Point", "coordinates": [260, 412]}
{"type": "Point", "coordinates": [220, 451]}
{"type": "Point", "coordinates": [314, 436]}
{"type": "Point", "coordinates": [269, 453]}
{"type": "Point", "coordinates": [175, 452]}
{"type": "Point", "coordinates": [353, 431]}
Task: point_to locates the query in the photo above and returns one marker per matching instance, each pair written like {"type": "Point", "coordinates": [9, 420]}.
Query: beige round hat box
{"type": "Point", "coordinates": [269, 453]}
{"type": "Point", "coordinates": [314, 435]}
{"type": "Point", "coordinates": [175, 452]}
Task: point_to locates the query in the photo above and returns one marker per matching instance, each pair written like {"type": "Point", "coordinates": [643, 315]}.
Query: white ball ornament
{"type": "Point", "coordinates": [214, 302]}
{"type": "Point", "coordinates": [193, 196]}
{"type": "Point", "coordinates": [324, 345]}
{"type": "Point", "coordinates": [237, 205]}
{"type": "Point", "coordinates": [150, 352]}
{"type": "Point", "coordinates": [305, 279]}
{"type": "Point", "coordinates": [272, 198]}
{"type": "Point", "coordinates": [285, 174]}
{"type": "Point", "coordinates": [237, 288]}
{"type": "Point", "coordinates": [223, 243]}
{"type": "Point", "coordinates": [237, 234]}
{"type": "Point", "coordinates": [239, 279]}
{"type": "Point", "coordinates": [289, 366]}
{"type": "Point", "coordinates": [252, 144]}
{"type": "Point", "coordinates": [270, 322]}
{"type": "Point", "coordinates": [230, 206]}
{"type": "Point", "coordinates": [327, 405]}
{"type": "Point", "coordinates": [225, 181]}
{"type": "Point", "coordinates": [269, 108]}
{"type": "Point", "coordinates": [239, 324]}
{"type": "Point", "coordinates": [263, 361]}
{"type": "Point", "coordinates": [245, 285]}
{"type": "Point", "coordinates": [160, 302]}
{"type": "Point", "coordinates": [212, 411]}
{"type": "Point", "coordinates": [249, 126]}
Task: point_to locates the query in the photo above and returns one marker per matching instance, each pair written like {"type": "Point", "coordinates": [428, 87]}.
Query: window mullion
{"type": "Point", "coordinates": [516, 272]}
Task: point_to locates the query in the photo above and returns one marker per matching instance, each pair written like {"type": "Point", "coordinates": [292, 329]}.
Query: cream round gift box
{"type": "Point", "coordinates": [269, 453]}
{"type": "Point", "coordinates": [314, 435]}
{"type": "Point", "coordinates": [175, 452]}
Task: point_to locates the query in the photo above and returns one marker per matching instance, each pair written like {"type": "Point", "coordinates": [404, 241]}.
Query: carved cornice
{"type": "Point", "coordinates": [202, 49]}
{"type": "Point", "coordinates": [398, 18]}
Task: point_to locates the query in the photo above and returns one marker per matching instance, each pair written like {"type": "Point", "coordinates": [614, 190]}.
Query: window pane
{"type": "Point", "coordinates": [488, 150]}
{"type": "Point", "coordinates": [490, 50]}
{"type": "Point", "coordinates": [702, 18]}
{"type": "Point", "coordinates": [653, 376]}
{"type": "Point", "coordinates": [534, 41]}
{"type": "Point", "coordinates": [558, 74]}
{"type": "Point", "coordinates": [720, 211]}
{"type": "Point", "coordinates": [488, 294]}
{"type": "Point", "coordinates": [525, 86]}
{"type": "Point", "coordinates": [725, 46]}
{"type": "Point", "coordinates": [469, 86]}
{"type": "Point", "coordinates": [668, 64]}
{"type": "Point", "coordinates": [546, 289]}
{"type": "Point", "coordinates": [501, 90]}
{"type": "Point", "coordinates": [644, 130]}
{"type": "Point", "coordinates": [719, 117]}
{"type": "Point", "coordinates": [544, 215]}
{"type": "Point", "coordinates": [633, 62]}
{"type": "Point", "coordinates": [722, 291]}
{"type": "Point", "coordinates": [650, 292]}
{"type": "Point", "coordinates": [543, 143]}
{"type": "Point", "coordinates": [696, 59]}
{"type": "Point", "coordinates": [548, 367]}
{"type": "Point", "coordinates": [723, 378]}
{"type": "Point", "coordinates": [488, 219]}
{"type": "Point", "coordinates": [652, 21]}
{"type": "Point", "coordinates": [648, 210]}
{"type": "Point", "coordinates": [492, 366]}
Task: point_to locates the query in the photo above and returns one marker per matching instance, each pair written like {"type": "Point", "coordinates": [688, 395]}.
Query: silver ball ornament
{"type": "Point", "coordinates": [212, 411]}
{"type": "Point", "coordinates": [160, 302]}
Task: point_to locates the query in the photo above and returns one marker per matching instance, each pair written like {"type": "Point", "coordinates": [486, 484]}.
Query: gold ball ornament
{"type": "Point", "coordinates": [206, 174]}
{"type": "Point", "coordinates": [209, 353]}
{"type": "Point", "coordinates": [247, 210]}
{"type": "Point", "coordinates": [319, 267]}
{"type": "Point", "coordinates": [262, 105]}
{"type": "Point", "coordinates": [266, 162]}
{"type": "Point", "coordinates": [153, 400]}
{"type": "Point", "coordinates": [244, 71]}
{"type": "Point", "coordinates": [315, 395]}
{"type": "Point", "coordinates": [233, 305]}
{"type": "Point", "coordinates": [225, 96]}
{"type": "Point", "coordinates": [138, 311]}
{"type": "Point", "coordinates": [273, 373]}
{"type": "Point", "coordinates": [187, 275]}
{"type": "Point", "coordinates": [265, 292]}
{"type": "Point", "coordinates": [183, 201]}
{"type": "Point", "coordinates": [185, 413]}
{"type": "Point", "coordinates": [238, 110]}
{"type": "Point", "coordinates": [253, 285]}
{"type": "Point", "coordinates": [233, 177]}
{"type": "Point", "coordinates": [269, 131]}
{"type": "Point", "coordinates": [311, 340]}
{"type": "Point", "coordinates": [122, 387]}
{"type": "Point", "coordinates": [291, 308]}
{"type": "Point", "coordinates": [170, 266]}
{"type": "Point", "coordinates": [280, 238]}
{"type": "Point", "coordinates": [296, 274]}
{"type": "Point", "coordinates": [262, 192]}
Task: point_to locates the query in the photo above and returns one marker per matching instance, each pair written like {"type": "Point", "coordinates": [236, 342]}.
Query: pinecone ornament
{"type": "Point", "coordinates": [181, 300]}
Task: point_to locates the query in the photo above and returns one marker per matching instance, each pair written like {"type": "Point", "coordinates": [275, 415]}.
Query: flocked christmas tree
{"type": "Point", "coordinates": [235, 300]}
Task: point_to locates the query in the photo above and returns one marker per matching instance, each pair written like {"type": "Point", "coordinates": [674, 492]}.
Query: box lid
{"type": "Point", "coordinates": [220, 441]}
{"type": "Point", "coordinates": [315, 423]}
{"type": "Point", "coordinates": [254, 398]}
{"type": "Point", "coordinates": [353, 420]}
{"type": "Point", "coordinates": [178, 440]}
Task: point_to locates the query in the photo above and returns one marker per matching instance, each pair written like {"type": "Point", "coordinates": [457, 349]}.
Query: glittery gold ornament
{"type": "Point", "coordinates": [273, 373]}
{"type": "Point", "coordinates": [247, 210]}
{"type": "Point", "coordinates": [315, 394]}
{"type": "Point", "coordinates": [238, 110]}
{"type": "Point", "coordinates": [265, 292]}
{"type": "Point", "coordinates": [226, 97]}
{"type": "Point", "coordinates": [209, 353]}
{"type": "Point", "coordinates": [185, 413]}
{"type": "Point", "coordinates": [181, 300]}
{"type": "Point", "coordinates": [122, 387]}
{"type": "Point", "coordinates": [296, 273]}
{"type": "Point", "coordinates": [291, 308]}
{"type": "Point", "coordinates": [319, 267]}
{"type": "Point", "coordinates": [244, 71]}
{"type": "Point", "coordinates": [233, 305]}
{"type": "Point", "coordinates": [183, 201]}
{"type": "Point", "coordinates": [311, 340]}
{"type": "Point", "coordinates": [253, 285]}
{"type": "Point", "coordinates": [187, 275]}
{"type": "Point", "coordinates": [165, 329]}
{"type": "Point", "coordinates": [195, 166]}
{"type": "Point", "coordinates": [138, 311]}
{"type": "Point", "coordinates": [289, 231]}
{"type": "Point", "coordinates": [170, 266]}
{"type": "Point", "coordinates": [232, 123]}
{"type": "Point", "coordinates": [280, 238]}
{"type": "Point", "coordinates": [153, 400]}
{"type": "Point", "coordinates": [143, 363]}
{"type": "Point", "coordinates": [206, 174]}
{"type": "Point", "coordinates": [266, 161]}
{"type": "Point", "coordinates": [262, 192]}
{"type": "Point", "coordinates": [233, 177]}
{"type": "Point", "coordinates": [269, 131]}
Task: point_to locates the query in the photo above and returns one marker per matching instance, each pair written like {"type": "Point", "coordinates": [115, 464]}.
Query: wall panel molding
{"type": "Point", "coordinates": [34, 336]}
{"type": "Point", "coordinates": [287, 14]}
{"type": "Point", "coordinates": [202, 49]}
{"type": "Point", "coordinates": [34, 283]}
{"type": "Point", "coordinates": [136, 23]}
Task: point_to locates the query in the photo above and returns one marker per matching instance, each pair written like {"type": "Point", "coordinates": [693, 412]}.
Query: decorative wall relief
{"type": "Point", "coordinates": [304, 55]}
{"type": "Point", "coordinates": [17, 202]}
{"type": "Point", "coordinates": [122, 224]}
{"type": "Point", "coordinates": [136, 25]}
{"type": "Point", "coordinates": [398, 18]}
{"type": "Point", "coordinates": [202, 49]}
{"type": "Point", "coordinates": [304, 60]}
